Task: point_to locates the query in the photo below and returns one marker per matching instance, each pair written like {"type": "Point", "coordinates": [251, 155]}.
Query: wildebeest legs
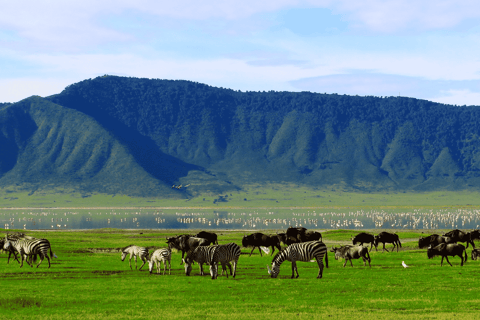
{"type": "Point", "coordinates": [258, 250]}
{"type": "Point", "coordinates": [441, 263]}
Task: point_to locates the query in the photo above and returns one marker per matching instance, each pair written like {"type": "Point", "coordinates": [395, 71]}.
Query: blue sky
{"type": "Point", "coordinates": [422, 49]}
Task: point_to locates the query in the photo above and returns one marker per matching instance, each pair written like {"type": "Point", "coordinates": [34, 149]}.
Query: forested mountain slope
{"type": "Point", "coordinates": [46, 145]}
{"type": "Point", "coordinates": [218, 139]}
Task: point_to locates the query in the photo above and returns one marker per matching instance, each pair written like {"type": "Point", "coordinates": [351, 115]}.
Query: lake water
{"type": "Point", "coordinates": [274, 219]}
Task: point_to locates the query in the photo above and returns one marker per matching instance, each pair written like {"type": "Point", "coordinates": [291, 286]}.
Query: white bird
{"type": "Point", "coordinates": [404, 265]}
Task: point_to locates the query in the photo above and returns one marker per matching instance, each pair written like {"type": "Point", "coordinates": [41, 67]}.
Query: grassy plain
{"type": "Point", "coordinates": [254, 196]}
{"type": "Point", "coordinates": [88, 281]}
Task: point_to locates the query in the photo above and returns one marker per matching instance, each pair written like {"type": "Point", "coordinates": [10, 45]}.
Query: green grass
{"type": "Point", "coordinates": [255, 196]}
{"type": "Point", "coordinates": [86, 283]}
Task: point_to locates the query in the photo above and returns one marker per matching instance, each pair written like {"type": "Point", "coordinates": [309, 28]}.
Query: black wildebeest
{"type": "Point", "coordinates": [475, 254]}
{"type": "Point", "coordinates": [445, 250]}
{"type": "Point", "coordinates": [364, 237]}
{"type": "Point", "coordinates": [261, 240]}
{"type": "Point", "coordinates": [460, 236]}
{"type": "Point", "coordinates": [186, 243]}
{"type": "Point", "coordinates": [210, 236]}
{"type": "Point", "coordinates": [386, 237]}
{"type": "Point", "coordinates": [433, 240]}
{"type": "Point", "coordinates": [349, 252]}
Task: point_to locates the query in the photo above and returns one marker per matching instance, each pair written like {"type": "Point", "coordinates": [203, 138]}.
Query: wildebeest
{"type": "Point", "coordinates": [295, 235]}
{"type": "Point", "coordinates": [433, 240]}
{"type": "Point", "coordinates": [362, 238]}
{"type": "Point", "coordinates": [299, 235]}
{"type": "Point", "coordinates": [186, 243]}
{"type": "Point", "coordinates": [313, 236]}
{"type": "Point", "coordinates": [460, 236]}
{"type": "Point", "coordinates": [475, 254]}
{"type": "Point", "coordinates": [386, 237]}
{"type": "Point", "coordinates": [282, 238]}
{"type": "Point", "coordinates": [258, 239]}
{"type": "Point", "coordinates": [475, 235]}
{"type": "Point", "coordinates": [445, 250]}
{"type": "Point", "coordinates": [349, 252]}
{"type": "Point", "coordinates": [210, 236]}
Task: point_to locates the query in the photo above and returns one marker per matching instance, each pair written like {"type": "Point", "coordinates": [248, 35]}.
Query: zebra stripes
{"type": "Point", "coordinates": [225, 254]}
{"type": "Point", "coordinates": [304, 251]}
{"type": "Point", "coordinates": [135, 252]}
{"type": "Point", "coordinates": [201, 255]}
{"type": "Point", "coordinates": [30, 248]}
{"type": "Point", "coordinates": [160, 256]}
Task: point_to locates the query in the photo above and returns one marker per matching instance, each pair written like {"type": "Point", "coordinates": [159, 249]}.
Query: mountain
{"type": "Point", "coordinates": [43, 144]}
{"type": "Point", "coordinates": [135, 136]}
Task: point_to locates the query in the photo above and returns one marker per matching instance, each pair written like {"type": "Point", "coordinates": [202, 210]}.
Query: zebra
{"type": "Point", "coordinates": [304, 251]}
{"type": "Point", "coordinates": [225, 254]}
{"type": "Point", "coordinates": [160, 255]}
{"type": "Point", "coordinates": [30, 248]}
{"type": "Point", "coordinates": [135, 251]}
{"type": "Point", "coordinates": [201, 255]}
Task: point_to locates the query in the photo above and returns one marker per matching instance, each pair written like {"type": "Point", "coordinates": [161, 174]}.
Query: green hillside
{"type": "Point", "coordinates": [138, 137]}
{"type": "Point", "coordinates": [45, 145]}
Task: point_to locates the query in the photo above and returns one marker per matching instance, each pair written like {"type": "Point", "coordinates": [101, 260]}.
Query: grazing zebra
{"type": "Point", "coordinates": [225, 254]}
{"type": "Point", "coordinates": [201, 255]}
{"type": "Point", "coordinates": [161, 255]}
{"type": "Point", "coordinates": [304, 251]}
{"type": "Point", "coordinates": [135, 251]}
{"type": "Point", "coordinates": [30, 248]}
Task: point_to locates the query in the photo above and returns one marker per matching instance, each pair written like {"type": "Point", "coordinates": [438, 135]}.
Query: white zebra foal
{"type": "Point", "coordinates": [160, 255]}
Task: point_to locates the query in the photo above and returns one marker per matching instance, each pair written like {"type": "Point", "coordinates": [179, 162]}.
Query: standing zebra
{"type": "Point", "coordinates": [304, 251]}
{"type": "Point", "coordinates": [201, 255]}
{"type": "Point", "coordinates": [30, 248]}
{"type": "Point", "coordinates": [161, 255]}
{"type": "Point", "coordinates": [224, 254]}
{"type": "Point", "coordinates": [135, 251]}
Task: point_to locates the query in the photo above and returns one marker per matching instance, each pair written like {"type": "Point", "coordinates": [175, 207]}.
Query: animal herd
{"type": "Point", "coordinates": [302, 245]}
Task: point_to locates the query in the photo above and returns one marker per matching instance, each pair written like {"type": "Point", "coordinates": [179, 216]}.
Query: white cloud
{"type": "Point", "coordinates": [450, 92]}
{"type": "Point", "coordinates": [458, 97]}
{"type": "Point", "coordinates": [14, 90]}
{"type": "Point", "coordinates": [397, 15]}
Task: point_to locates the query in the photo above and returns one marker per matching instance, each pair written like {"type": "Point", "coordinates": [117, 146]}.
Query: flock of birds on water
{"type": "Point", "coordinates": [415, 219]}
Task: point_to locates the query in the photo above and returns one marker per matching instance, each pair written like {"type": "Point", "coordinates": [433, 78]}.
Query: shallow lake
{"type": "Point", "coordinates": [248, 219]}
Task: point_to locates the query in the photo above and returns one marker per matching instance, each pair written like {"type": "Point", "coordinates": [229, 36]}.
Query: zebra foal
{"type": "Point", "coordinates": [304, 251]}
{"type": "Point", "coordinates": [30, 248]}
{"type": "Point", "coordinates": [135, 251]}
{"type": "Point", "coordinates": [160, 256]}
{"type": "Point", "coordinates": [225, 254]}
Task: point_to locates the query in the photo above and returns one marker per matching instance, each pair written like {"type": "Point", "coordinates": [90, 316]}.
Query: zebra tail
{"type": "Point", "coordinates": [326, 259]}
{"type": "Point", "coordinates": [52, 255]}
